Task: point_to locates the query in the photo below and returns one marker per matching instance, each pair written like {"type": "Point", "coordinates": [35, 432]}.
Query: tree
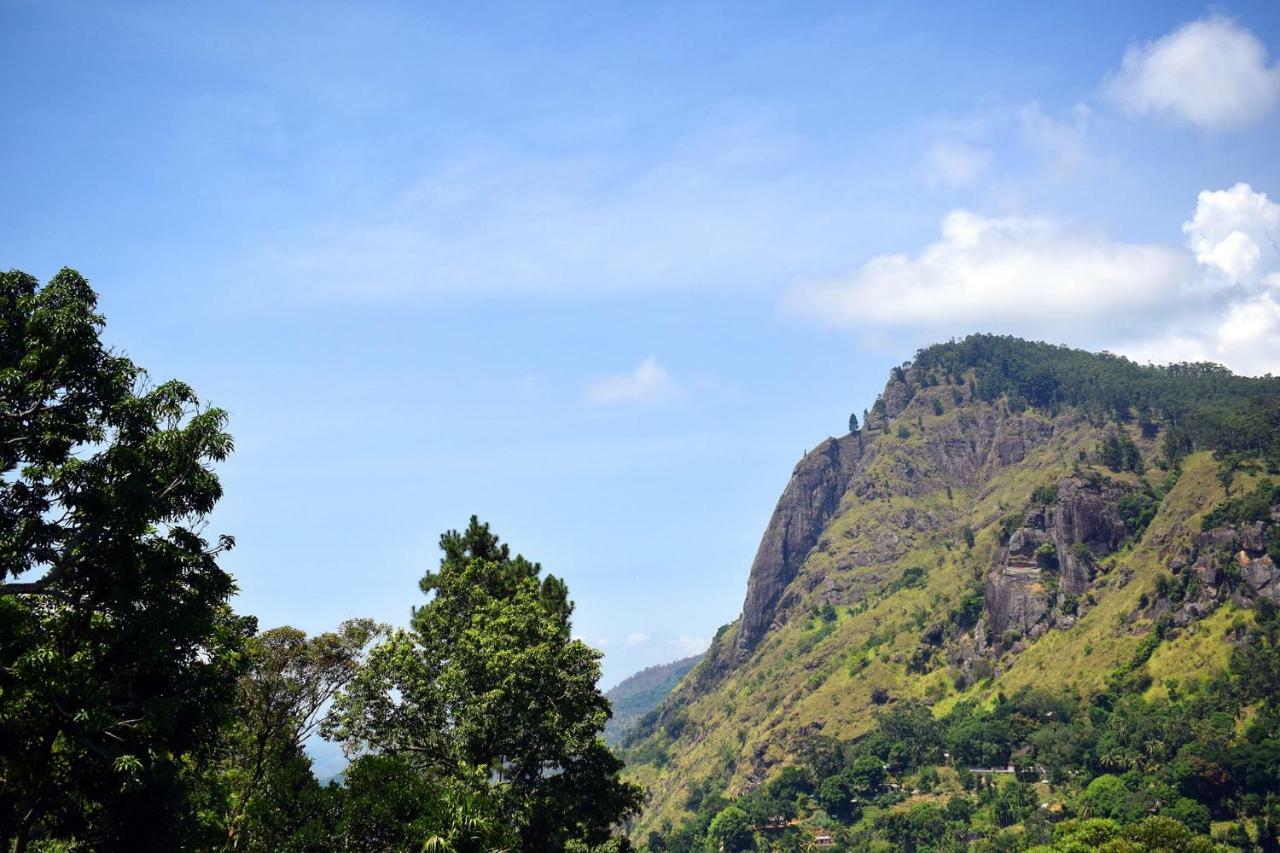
{"type": "Point", "coordinates": [853, 423]}
{"type": "Point", "coordinates": [118, 650]}
{"type": "Point", "coordinates": [835, 796]}
{"type": "Point", "coordinates": [730, 831]}
{"type": "Point", "coordinates": [283, 699]}
{"type": "Point", "coordinates": [489, 692]}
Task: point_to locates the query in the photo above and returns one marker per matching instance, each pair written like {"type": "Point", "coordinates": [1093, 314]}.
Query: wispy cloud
{"type": "Point", "coordinates": [597, 642]}
{"type": "Point", "coordinates": [636, 638]}
{"type": "Point", "coordinates": [649, 382]}
{"type": "Point", "coordinates": [691, 645]}
{"type": "Point", "coordinates": [1060, 142]}
{"type": "Point", "coordinates": [728, 205]}
{"type": "Point", "coordinates": [955, 164]}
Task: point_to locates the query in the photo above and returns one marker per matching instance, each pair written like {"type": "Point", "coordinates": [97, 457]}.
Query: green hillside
{"type": "Point", "coordinates": [638, 694]}
{"type": "Point", "coordinates": [1014, 522]}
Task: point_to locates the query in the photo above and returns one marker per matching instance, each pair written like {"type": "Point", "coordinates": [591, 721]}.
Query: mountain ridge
{"type": "Point", "coordinates": [903, 561]}
{"type": "Point", "coordinates": [638, 693]}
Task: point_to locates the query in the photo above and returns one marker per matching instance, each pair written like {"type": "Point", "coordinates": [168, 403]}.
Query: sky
{"type": "Point", "coordinates": [600, 273]}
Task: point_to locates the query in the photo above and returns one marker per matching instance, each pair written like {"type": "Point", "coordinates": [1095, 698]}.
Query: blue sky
{"type": "Point", "coordinates": [600, 273]}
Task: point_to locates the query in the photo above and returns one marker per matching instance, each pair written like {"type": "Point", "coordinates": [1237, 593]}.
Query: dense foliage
{"type": "Point", "coordinates": [1038, 771]}
{"type": "Point", "coordinates": [1199, 406]}
{"type": "Point", "coordinates": [138, 712]}
{"type": "Point", "coordinates": [118, 650]}
{"type": "Point", "coordinates": [489, 691]}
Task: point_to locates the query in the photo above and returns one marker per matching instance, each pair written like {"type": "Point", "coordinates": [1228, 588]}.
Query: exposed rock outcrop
{"type": "Point", "coordinates": [1054, 554]}
{"type": "Point", "coordinates": [1235, 559]}
{"type": "Point", "coordinates": [958, 451]}
{"type": "Point", "coordinates": [810, 499]}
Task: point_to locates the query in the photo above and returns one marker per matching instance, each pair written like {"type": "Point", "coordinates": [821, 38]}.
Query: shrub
{"type": "Point", "coordinates": [1045, 494]}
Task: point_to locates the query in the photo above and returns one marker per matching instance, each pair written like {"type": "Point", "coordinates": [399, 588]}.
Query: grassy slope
{"type": "Point", "coordinates": [810, 676]}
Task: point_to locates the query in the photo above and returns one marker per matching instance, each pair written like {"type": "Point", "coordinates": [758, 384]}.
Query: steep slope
{"type": "Point", "coordinates": [988, 528]}
{"type": "Point", "coordinates": [639, 693]}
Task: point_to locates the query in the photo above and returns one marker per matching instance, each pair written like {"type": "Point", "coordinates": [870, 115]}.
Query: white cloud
{"type": "Point", "coordinates": [1212, 73]}
{"type": "Point", "coordinates": [1249, 336]}
{"type": "Point", "coordinates": [1236, 232]}
{"type": "Point", "coordinates": [1010, 271]}
{"type": "Point", "coordinates": [1037, 277]}
{"type": "Point", "coordinates": [648, 383]}
{"type": "Point", "coordinates": [955, 164]}
{"type": "Point", "coordinates": [636, 638]}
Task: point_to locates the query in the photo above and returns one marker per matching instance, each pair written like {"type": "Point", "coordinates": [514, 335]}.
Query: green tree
{"type": "Point", "coordinates": [489, 691]}
{"type": "Point", "coordinates": [1105, 797]}
{"type": "Point", "coordinates": [118, 650]}
{"type": "Point", "coordinates": [835, 796]}
{"type": "Point", "coordinates": [283, 699]}
{"type": "Point", "coordinates": [730, 831]}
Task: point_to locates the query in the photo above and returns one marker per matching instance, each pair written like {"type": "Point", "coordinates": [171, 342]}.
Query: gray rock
{"type": "Point", "coordinates": [1261, 576]}
{"type": "Point", "coordinates": [1253, 538]}
{"type": "Point", "coordinates": [810, 499]}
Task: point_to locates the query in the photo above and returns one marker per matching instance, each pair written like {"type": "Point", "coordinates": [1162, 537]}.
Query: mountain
{"type": "Point", "coordinates": [639, 693]}
{"type": "Point", "coordinates": [1011, 517]}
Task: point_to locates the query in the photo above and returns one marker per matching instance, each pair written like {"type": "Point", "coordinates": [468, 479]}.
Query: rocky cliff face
{"type": "Point", "coordinates": [1051, 560]}
{"type": "Point", "coordinates": [810, 499]}
{"type": "Point", "coordinates": [960, 452]}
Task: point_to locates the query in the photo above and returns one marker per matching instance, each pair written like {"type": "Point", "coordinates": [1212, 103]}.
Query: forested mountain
{"type": "Point", "coordinates": [638, 694]}
{"type": "Point", "coordinates": [1027, 601]}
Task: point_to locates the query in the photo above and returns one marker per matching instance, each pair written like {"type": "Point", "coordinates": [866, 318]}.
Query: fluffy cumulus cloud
{"type": "Point", "coordinates": [1212, 73]}
{"type": "Point", "coordinates": [1249, 336]}
{"type": "Point", "coordinates": [955, 164]}
{"type": "Point", "coordinates": [648, 383]}
{"type": "Point", "coordinates": [1216, 299]}
{"type": "Point", "coordinates": [1235, 232]}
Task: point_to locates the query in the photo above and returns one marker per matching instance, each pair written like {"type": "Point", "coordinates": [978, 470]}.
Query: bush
{"type": "Point", "coordinates": [1045, 494]}
{"type": "Point", "coordinates": [1047, 557]}
{"type": "Point", "coordinates": [1138, 509]}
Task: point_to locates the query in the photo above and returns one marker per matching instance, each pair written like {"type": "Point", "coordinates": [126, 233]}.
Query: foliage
{"type": "Point", "coordinates": [283, 699]}
{"type": "Point", "coordinates": [1254, 505]}
{"type": "Point", "coordinates": [1045, 493]}
{"type": "Point", "coordinates": [1201, 406]}
{"type": "Point", "coordinates": [1118, 452]}
{"type": "Point", "coordinates": [730, 831]}
{"type": "Point", "coordinates": [119, 658]}
{"type": "Point", "coordinates": [489, 684]}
